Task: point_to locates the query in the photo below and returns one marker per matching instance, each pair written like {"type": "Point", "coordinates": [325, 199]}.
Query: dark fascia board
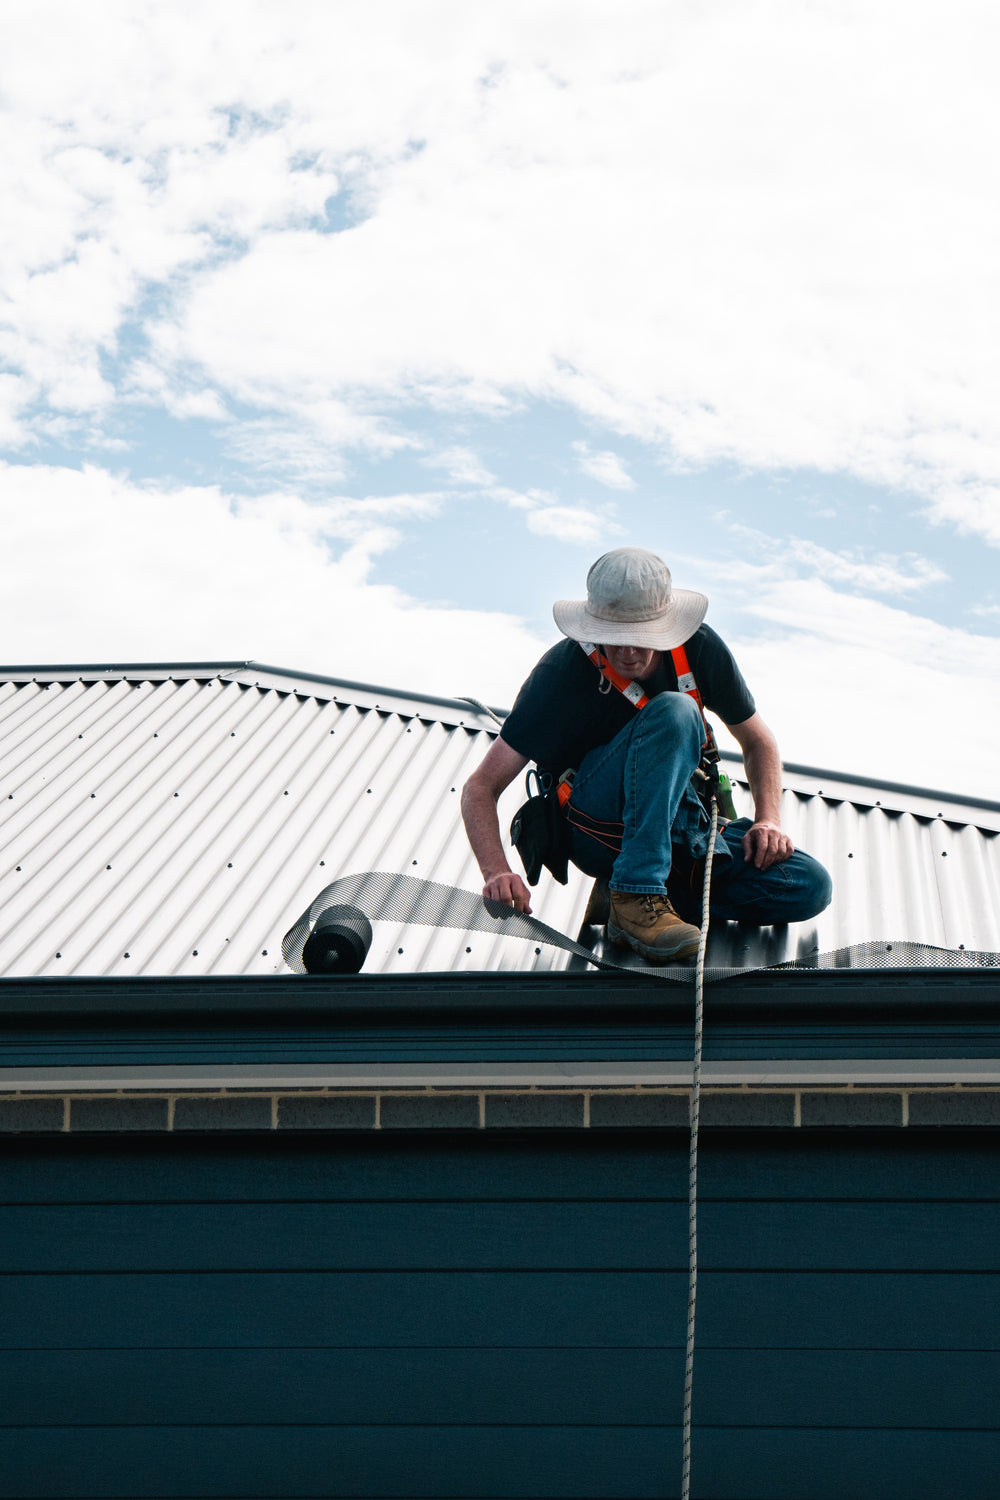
{"type": "Point", "coordinates": [947, 1017]}
{"type": "Point", "coordinates": [753, 996]}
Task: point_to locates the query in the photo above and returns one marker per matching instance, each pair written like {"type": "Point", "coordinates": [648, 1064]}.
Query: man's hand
{"type": "Point", "coordinates": [765, 844]}
{"type": "Point", "coordinates": [510, 890]}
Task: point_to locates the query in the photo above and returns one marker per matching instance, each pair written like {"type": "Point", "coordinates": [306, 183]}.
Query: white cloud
{"type": "Point", "coordinates": [142, 573]}
{"type": "Point", "coordinates": [528, 500]}
{"type": "Point", "coordinates": [791, 264]}
{"type": "Point", "coordinates": [570, 523]}
{"type": "Point", "coordinates": [881, 574]}
{"type": "Point", "coordinates": [14, 396]}
{"type": "Point", "coordinates": [545, 515]}
{"type": "Point", "coordinates": [606, 467]}
{"type": "Point", "coordinates": [313, 448]}
{"type": "Point", "coordinates": [819, 307]}
{"type": "Point", "coordinates": [856, 684]}
{"type": "Point", "coordinates": [973, 509]}
{"type": "Point", "coordinates": [462, 467]}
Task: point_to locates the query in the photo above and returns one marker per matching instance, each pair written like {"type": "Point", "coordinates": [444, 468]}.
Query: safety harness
{"type": "Point", "coordinates": [539, 830]}
{"type": "Point", "coordinates": [710, 777]}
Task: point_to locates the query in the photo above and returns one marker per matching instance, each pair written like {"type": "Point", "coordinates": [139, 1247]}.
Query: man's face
{"type": "Point", "coordinates": [634, 662]}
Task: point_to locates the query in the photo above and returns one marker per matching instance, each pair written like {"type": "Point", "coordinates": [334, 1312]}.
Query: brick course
{"type": "Point", "coordinates": [608, 1108]}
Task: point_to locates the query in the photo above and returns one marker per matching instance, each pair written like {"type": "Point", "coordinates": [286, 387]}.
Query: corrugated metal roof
{"type": "Point", "coordinates": [177, 819]}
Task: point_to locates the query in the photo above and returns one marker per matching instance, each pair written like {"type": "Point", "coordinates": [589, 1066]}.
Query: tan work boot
{"type": "Point", "coordinates": [650, 925]}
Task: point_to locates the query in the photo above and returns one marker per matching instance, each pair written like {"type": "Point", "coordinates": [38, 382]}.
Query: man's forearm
{"type": "Point", "coordinates": [480, 796]}
{"type": "Point", "coordinates": [763, 768]}
{"type": "Point", "coordinates": [764, 843]}
{"type": "Point", "coordinates": [482, 826]}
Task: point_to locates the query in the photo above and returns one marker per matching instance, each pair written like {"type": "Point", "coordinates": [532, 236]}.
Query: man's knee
{"type": "Point", "coordinates": [815, 887]}
{"type": "Point", "coordinates": [795, 890]}
{"type": "Point", "coordinates": [674, 715]}
{"type": "Point", "coordinates": [806, 890]}
{"type": "Point", "coordinates": [678, 707]}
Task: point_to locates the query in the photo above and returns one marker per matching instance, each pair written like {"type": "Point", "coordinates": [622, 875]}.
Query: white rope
{"type": "Point", "coordinates": [483, 709]}
{"type": "Point", "coordinates": [699, 1008]}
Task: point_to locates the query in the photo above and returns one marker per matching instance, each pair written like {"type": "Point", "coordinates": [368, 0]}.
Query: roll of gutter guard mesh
{"type": "Point", "coordinates": [387, 896]}
{"type": "Point", "coordinates": [407, 900]}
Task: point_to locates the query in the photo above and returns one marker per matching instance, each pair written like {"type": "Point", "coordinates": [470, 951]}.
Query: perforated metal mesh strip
{"type": "Point", "coordinates": [391, 897]}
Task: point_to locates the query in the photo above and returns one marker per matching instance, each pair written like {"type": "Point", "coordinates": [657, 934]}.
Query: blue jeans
{"type": "Point", "coordinates": [642, 781]}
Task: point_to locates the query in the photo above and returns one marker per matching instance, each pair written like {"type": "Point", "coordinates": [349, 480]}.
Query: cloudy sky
{"type": "Point", "coordinates": [343, 336]}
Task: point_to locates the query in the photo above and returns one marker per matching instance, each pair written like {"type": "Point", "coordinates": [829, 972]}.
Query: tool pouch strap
{"type": "Point", "coordinates": [540, 834]}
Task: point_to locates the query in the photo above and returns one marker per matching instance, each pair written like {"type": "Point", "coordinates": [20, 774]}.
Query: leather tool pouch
{"type": "Point", "coordinates": [540, 834]}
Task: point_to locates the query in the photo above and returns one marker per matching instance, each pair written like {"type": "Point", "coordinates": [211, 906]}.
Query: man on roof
{"type": "Point", "coordinates": [634, 815]}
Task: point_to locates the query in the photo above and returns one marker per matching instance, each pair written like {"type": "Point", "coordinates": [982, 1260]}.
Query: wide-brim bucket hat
{"type": "Point", "coordinates": [631, 601]}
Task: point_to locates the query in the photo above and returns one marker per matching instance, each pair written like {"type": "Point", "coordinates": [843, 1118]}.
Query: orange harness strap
{"type": "Point", "coordinates": [635, 695]}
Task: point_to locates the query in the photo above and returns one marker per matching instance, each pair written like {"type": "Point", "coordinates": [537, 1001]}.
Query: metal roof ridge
{"type": "Point", "coordinates": [246, 671]}
{"type": "Point", "coordinates": [904, 788]}
{"type": "Point", "coordinates": [456, 705]}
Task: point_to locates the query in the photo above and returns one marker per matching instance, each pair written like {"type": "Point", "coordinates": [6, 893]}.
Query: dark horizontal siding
{"type": "Point", "coordinates": [584, 1234]}
{"type": "Point", "coordinates": [499, 1316]}
{"type": "Point", "coordinates": [524, 1386]}
{"type": "Point", "coordinates": [572, 1463]}
{"type": "Point", "coordinates": [916, 1311]}
{"type": "Point", "coordinates": [603, 1165]}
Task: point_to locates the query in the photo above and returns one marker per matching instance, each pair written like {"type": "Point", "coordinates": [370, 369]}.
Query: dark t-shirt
{"type": "Point", "coordinates": [559, 714]}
